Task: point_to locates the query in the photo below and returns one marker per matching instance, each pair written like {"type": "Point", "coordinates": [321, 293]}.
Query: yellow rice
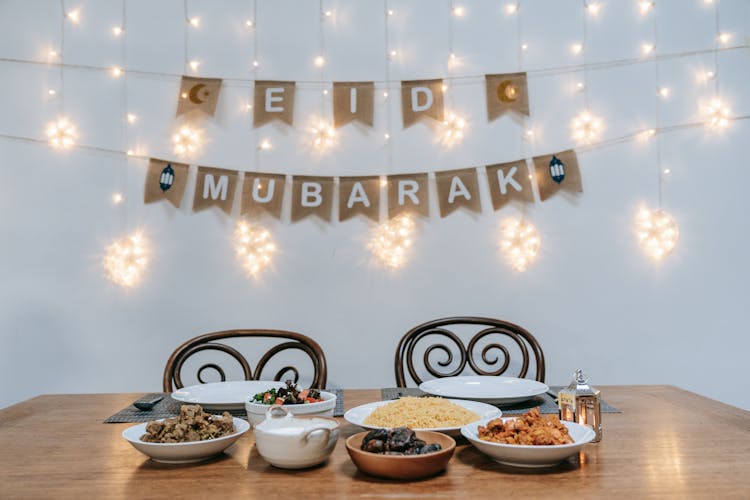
{"type": "Point", "coordinates": [420, 413]}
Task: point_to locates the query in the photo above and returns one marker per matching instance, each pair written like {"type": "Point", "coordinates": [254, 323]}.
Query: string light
{"type": "Point", "coordinates": [391, 12]}
{"type": "Point", "coordinates": [647, 48]}
{"type": "Point", "coordinates": [254, 247]}
{"type": "Point", "coordinates": [118, 30]}
{"type": "Point", "coordinates": [329, 13]}
{"type": "Point", "coordinates": [664, 91]}
{"type": "Point", "coordinates": [117, 72]}
{"type": "Point", "coordinates": [132, 117]}
{"type": "Point", "coordinates": [587, 127]}
{"type": "Point", "coordinates": [74, 16]}
{"type": "Point", "coordinates": [459, 11]}
{"type": "Point", "coordinates": [717, 114]}
{"type": "Point", "coordinates": [452, 130]}
{"type": "Point", "coordinates": [126, 260]}
{"type": "Point", "coordinates": [394, 53]}
{"type": "Point", "coordinates": [52, 91]}
{"type": "Point", "coordinates": [256, 64]}
{"type": "Point", "coordinates": [61, 134]}
{"type": "Point", "coordinates": [524, 46]}
{"type": "Point", "coordinates": [187, 141]}
{"type": "Point", "coordinates": [519, 243]}
{"type": "Point", "coordinates": [194, 22]}
{"type": "Point", "coordinates": [580, 86]}
{"type": "Point", "coordinates": [724, 38]}
{"type": "Point", "coordinates": [324, 136]}
{"type": "Point", "coordinates": [265, 145]}
{"type": "Point", "coordinates": [593, 8]}
{"type": "Point", "coordinates": [657, 233]}
{"type": "Point", "coordinates": [645, 6]}
{"type": "Point", "coordinates": [576, 48]}
{"type": "Point", "coordinates": [511, 8]}
{"type": "Point", "coordinates": [118, 198]}
{"type": "Point", "coordinates": [320, 61]}
{"type": "Point", "coordinates": [249, 23]}
{"type": "Point", "coordinates": [194, 65]}
{"type": "Point", "coordinates": [391, 241]}
{"type": "Point", "coordinates": [52, 54]}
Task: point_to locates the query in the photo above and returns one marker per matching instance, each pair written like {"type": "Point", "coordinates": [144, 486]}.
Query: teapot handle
{"type": "Point", "coordinates": [325, 430]}
{"type": "Point", "coordinates": [277, 411]}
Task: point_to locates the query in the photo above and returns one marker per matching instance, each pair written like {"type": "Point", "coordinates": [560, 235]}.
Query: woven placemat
{"type": "Point", "coordinates": [545, 402]}
{"type": "Point", "coordinates": [168, 407]}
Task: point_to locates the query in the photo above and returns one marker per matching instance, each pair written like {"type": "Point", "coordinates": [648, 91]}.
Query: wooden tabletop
{"type": "Point", "coordinates": [667, 442]}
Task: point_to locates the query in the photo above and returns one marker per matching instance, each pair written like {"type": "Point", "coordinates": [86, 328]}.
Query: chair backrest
{"type": "Point", "coordinates": [485, 353]}
{"type": "Point", "coordinates": [210, 341]}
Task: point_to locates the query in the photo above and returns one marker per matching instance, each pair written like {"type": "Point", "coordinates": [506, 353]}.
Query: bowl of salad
{"type": "Point", "coordinates": [297, 401]}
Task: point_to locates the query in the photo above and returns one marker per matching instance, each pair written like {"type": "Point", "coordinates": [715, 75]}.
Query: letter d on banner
{"type": "Point", "coordinates": [421, 98]}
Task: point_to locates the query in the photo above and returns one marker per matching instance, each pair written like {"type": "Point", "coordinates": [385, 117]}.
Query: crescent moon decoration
{"type": "Point", "coordinates": [167, 178]}
{"type": "Point", "coordinates": [556, 169]}
{"type": "Point", "coordinates": [507, 91]}
{"type": "Point", "coordinates": [194, 98]}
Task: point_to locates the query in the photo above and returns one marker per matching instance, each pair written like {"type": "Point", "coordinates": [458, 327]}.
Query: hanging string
{"type": "Point", "coordinates": [657, 79]}
{"type": "Point", "coordinates": [124, 117]}
{"type": "Point", "coordinates": [584, 50]}
{"type": "Point", "coordinates": [519, 42]}
{"type": "Point", "coordinates": [320, 59]}
{"type": "Point", "coordinates": [387, 13]}
{"type": "Point", "coordinates": [254, 65]}
{"type": "Point", "coordinates": [717, 34]}
{"type": "Point", "coordinates": [186, 62]}
{"type": "Point", "coordinates": [61, 55]}
{"type": "Point", "coordinates": [451, 56]}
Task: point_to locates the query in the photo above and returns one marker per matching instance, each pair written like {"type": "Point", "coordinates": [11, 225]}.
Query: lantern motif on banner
{"type": "Point", "coordinates": [167, 178]}
{"type": "Point", "coordinates": [556, 169]}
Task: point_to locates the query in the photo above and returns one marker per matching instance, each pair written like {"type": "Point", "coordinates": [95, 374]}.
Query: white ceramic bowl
{"type": "Point", "coordinates": [293, 442]}
{"type": "Point", "coordinates": [256, 412]}
{"type": "Point", "coordinates": [181, 453]}
{"type": "Point", "coordinates": [527, 455]}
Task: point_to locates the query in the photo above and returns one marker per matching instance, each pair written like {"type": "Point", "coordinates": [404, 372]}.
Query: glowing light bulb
{"type": "Point", "coordinates": [444, 87]}
{"type": "Point", "coordinates": [529, 133]}
{"type": "Point", "coordinates": [524, 46]}
{"type": "Point", "coordinates": [61, 134]}
{"type": "Point", "coordinates": [724, 38]}
{"type": "Point", "coordinates": [74, 16]}
{"type": "Point", "coordinates": [131, 117]}
{"type": "Point", "coordinates": [52, 54]}
{"type": "Point", "coordinates": [320, 61]}
{"type": "Point", "coordinates": [391, 12]}
{"type": "Point", "coordinates": [645, 6]}
{"type": "Point", "coordinates": [390, 242]}
{"type": "Point", "coordinates": [118, 198]}
{"type": "Point", "coordinates": [710, 75]}
{"type": "Point", "coordinates": [519, 243]}
{"type": "Point", "coordinates": [194, 65]}
{"type": "Point", "coordinates": [187, 141]}
{"type": "Point", "coordinates": [394, 53]}
{"type": "Point", "coordinates": [664, 91]}
{"type": "Point", "coordinates": [126, 259]}
{"type": "Point", "coordinates": [249, 23]}
{"type": "Point", "coordinates": [511, 8]}
{"type": "Point", "coordinates": [385, 94]}
{"type": "Point", "coordinates": [576, 48]}
{"type": "Point", "coordinates": [253, 247]}
{"type": "Point", "coordinates": [194, 22]}
{"type": "Point", "coordinates": [324, 136]}
{"type": "Point", "coordinates": [458, 11]}
{"type": "Point", "coordinates": [656, 232]}
{"type": "Point", "coordinates": [117, 72]}
{"type": "Point", "coordinates": [325, 91]}
{"type": "Point", "coordinates": [666, 171]}
{"type": "Point", "coordinates": [717, 114]}
{"type": "Point", "coordinates": [265, 144]}
{"type": "Point", "coordinates": [118, 30]}
{"type": "Point", "coordinates": [386, 136]}
{"type": "Point", "coordinates": [646, 134]}
{"type": "Point", "coordinates": [256, 64]}
{"type": "Point", "coordinates": [647, 48]}
{"type": "Point", "coordinates": [329, 13]}
{"type": "Point", "coordinates": [593, 8]}
{"type": "Point", "coordinates": [586, 127]}
{"type": "Point", "coordinates": [452, 131]}
{"type": "Point", "coordinates": [580, 86]}
{"type": "Point", "coordinates": [52, 92]}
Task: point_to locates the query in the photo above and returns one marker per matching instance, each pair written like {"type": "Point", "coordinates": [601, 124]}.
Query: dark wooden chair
{"type": "Point", "coordinates": [211, 342]}
{"type": "Point", "coordinates": [487, 352]}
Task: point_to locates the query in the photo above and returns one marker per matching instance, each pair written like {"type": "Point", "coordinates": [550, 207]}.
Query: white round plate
{"type": "Point", "coordinates": [495, 390]}
{"type": "Point", "coordinates": [357, 415]}
{"type": "Point", "coordinates": [527, 455]}
{"type": "Point", "coordinates": [183, 453]}
{"type": "Point", "coordinates": [224, 395]}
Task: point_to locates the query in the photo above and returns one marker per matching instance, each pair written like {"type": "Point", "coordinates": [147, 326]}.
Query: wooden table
{"type": "Point", "coordinates": [666, 443]}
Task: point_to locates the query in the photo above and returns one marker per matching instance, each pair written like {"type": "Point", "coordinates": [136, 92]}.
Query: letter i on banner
{"type": "Point", "coordinates": [509, 181]}
{"type": "Point", "coordinates": [408, 193]}
{"type": "Point", "coordinates": [273, 101]}
{"type": "Point", "coordinates": [312, 196]}
{"type": "Point", "coordinates": [214, 187]}
{"type": "Point", "coordinates": [421, 98]}
{"type": "Point", "coordinates": [165, 181]}
{"type": "Point", "coordinates": [262, 193]}
{"type": "Point", "coordinates": [353, 101]}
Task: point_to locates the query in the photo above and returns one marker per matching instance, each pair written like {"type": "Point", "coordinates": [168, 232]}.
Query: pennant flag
{"type": "Point", "coordinates": [458, 188]}
{"type": "Point", "coordinates": [262, 193]}
{"type": "Point", "coordinates": [198, 94]}
{"type": "Point", "coordinates": [557, 172]}
{"type": "Point", "coordinates": [273, 101]}
{"type": "Point", "coordinates": [509, 181]}
{"type": "Point", "coordinates": [420, 98]}
{"type": "Point", "coordinates": [214, 187]}
{"type": "Point", "coordinates": [359, 195]}
{"type": "Point", "coordinates": [312, 196]}
{"type": "Point", "coordinates": [506, 93]}
{"type": "Point", "coordinates": [408, 193]}
{"type": "Point", "coordinates": [353, 101]}
{"type": "Point", "coordinates": [165, 181]}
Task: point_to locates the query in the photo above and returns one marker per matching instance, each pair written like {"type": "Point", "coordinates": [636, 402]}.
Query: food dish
{"type": "Point", "coordinates": [192, 424]}
{"type": "Point", "coordinates": [223, 395]}
{"type": "Point", "coordinates": [529, 455]}
{"type": "Point", "coordinates": [488, 389]}
{"type": "Point", "coordinates": [180, 453]}
{"type": "Point", "coordinates": [256, 412]}
{"type": "Point", "coordinates": [402, 466]}
{"type": "Point", "coordinates": [357, 415]}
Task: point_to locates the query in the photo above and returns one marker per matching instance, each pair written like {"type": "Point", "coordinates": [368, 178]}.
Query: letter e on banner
{"type": "Point", "coordinates": [273, 100]}
{"type": "Point", "coordinates": [359, 196]}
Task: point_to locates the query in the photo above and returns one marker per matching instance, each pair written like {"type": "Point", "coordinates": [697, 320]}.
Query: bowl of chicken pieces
{"type": "Point", "coordinates": [530, 440]}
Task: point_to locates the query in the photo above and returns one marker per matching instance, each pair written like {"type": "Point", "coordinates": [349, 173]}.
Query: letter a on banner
{"type": "Point", "coordinates": [359, 195]}
{"type": "Point", "coordinates": [214, 187]}
{"type": "Point", "coordinates": [165, 181]}
{"type": "Point", "coordinates": [458, 188]}
{"type": "Point", "coordinates": [312, 196]}
{"type": "Point", "coordinates": [353, 101]}
{"type": "Point", "coordinates": [273, 101]}
{"type": "Point", "coordinates": [262, 193]}
{"type": "Point", "coordinates": [420, 98]}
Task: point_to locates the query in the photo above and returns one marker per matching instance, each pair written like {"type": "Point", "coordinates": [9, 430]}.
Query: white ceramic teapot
{"type": "Point", "coordinates": [293, 442]}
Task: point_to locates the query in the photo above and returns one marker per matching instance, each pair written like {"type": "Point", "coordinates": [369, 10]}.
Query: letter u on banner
{"type": "Point", "coordinates": [458, 188]}
{"type": "Point", "coordinates": [273, 100]}
{"type": "Point", "coordinates": [359, 195]}
{"type": "Point", "coordinates": [262, 193]}
{"type": "Point", "coordinates": [312, 196]}
{"type": "Point", "coordinates": [214, 187]}
{"type": "Point", "coordinates": [353, 101]}
{"type": "Point", "coordinates": [420, 98]}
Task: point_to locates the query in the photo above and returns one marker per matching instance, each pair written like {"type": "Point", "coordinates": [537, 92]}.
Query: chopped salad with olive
{"type": "Point", "coordinates": [289, 395]}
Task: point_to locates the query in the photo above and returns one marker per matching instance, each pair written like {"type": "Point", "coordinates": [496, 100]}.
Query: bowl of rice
{"type": "Point", "coordinates": [421, 414]}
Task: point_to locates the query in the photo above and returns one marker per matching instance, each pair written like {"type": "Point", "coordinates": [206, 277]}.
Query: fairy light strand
{"type": "Point", "coordinates": [124, 117]}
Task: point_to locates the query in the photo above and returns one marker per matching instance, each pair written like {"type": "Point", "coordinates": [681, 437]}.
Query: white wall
{"type": "Point", "coordinates": [592, 299]}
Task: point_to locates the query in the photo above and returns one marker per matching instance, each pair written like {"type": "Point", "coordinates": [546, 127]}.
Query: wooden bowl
{"type": "Point", "coordinates": [402, 466]}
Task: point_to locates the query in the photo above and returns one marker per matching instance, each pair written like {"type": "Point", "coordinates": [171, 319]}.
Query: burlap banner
{"type": "Point", "coordinates": [165, 181]}
{"type": "Point", "coordinates": [458, 188]}
{"type": "Point", "coordinates": [353, 101]}
{"type": "Point", "coordinates": [408, 193]}
{"type": "Point", "coordinates": [312, 196]}
{"type": "Point", "coordinates": [359, 195]}
{"type": "Point", "coordinates": [421, 98]}
{"type": "Point", "coordinates": [198, 94]}
{"type": "Point", "coordinates": [557, 172]}
{"type": "Point", "coordinates": [509, 181]}
{"type": "Point", "coordinates": [506, 93]}
{"type": "Point", "coordinates": [214, 187]}
{"type": "Point", "coordinates": [262, 193]}
{"type": "Point", "coordinates": [273, 101]}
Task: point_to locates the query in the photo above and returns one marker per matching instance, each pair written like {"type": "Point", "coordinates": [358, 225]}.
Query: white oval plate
{"type": "Point", "coordinates": [183, 453]}
{"type": "Point", "coordinates": [527, 455]}
{"type": "Point", "coordinates": [224, 395]}
{"type": "Point", "coordinates": [488, 389]}
{"type": "Point", "coordinates": [357, 415]}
